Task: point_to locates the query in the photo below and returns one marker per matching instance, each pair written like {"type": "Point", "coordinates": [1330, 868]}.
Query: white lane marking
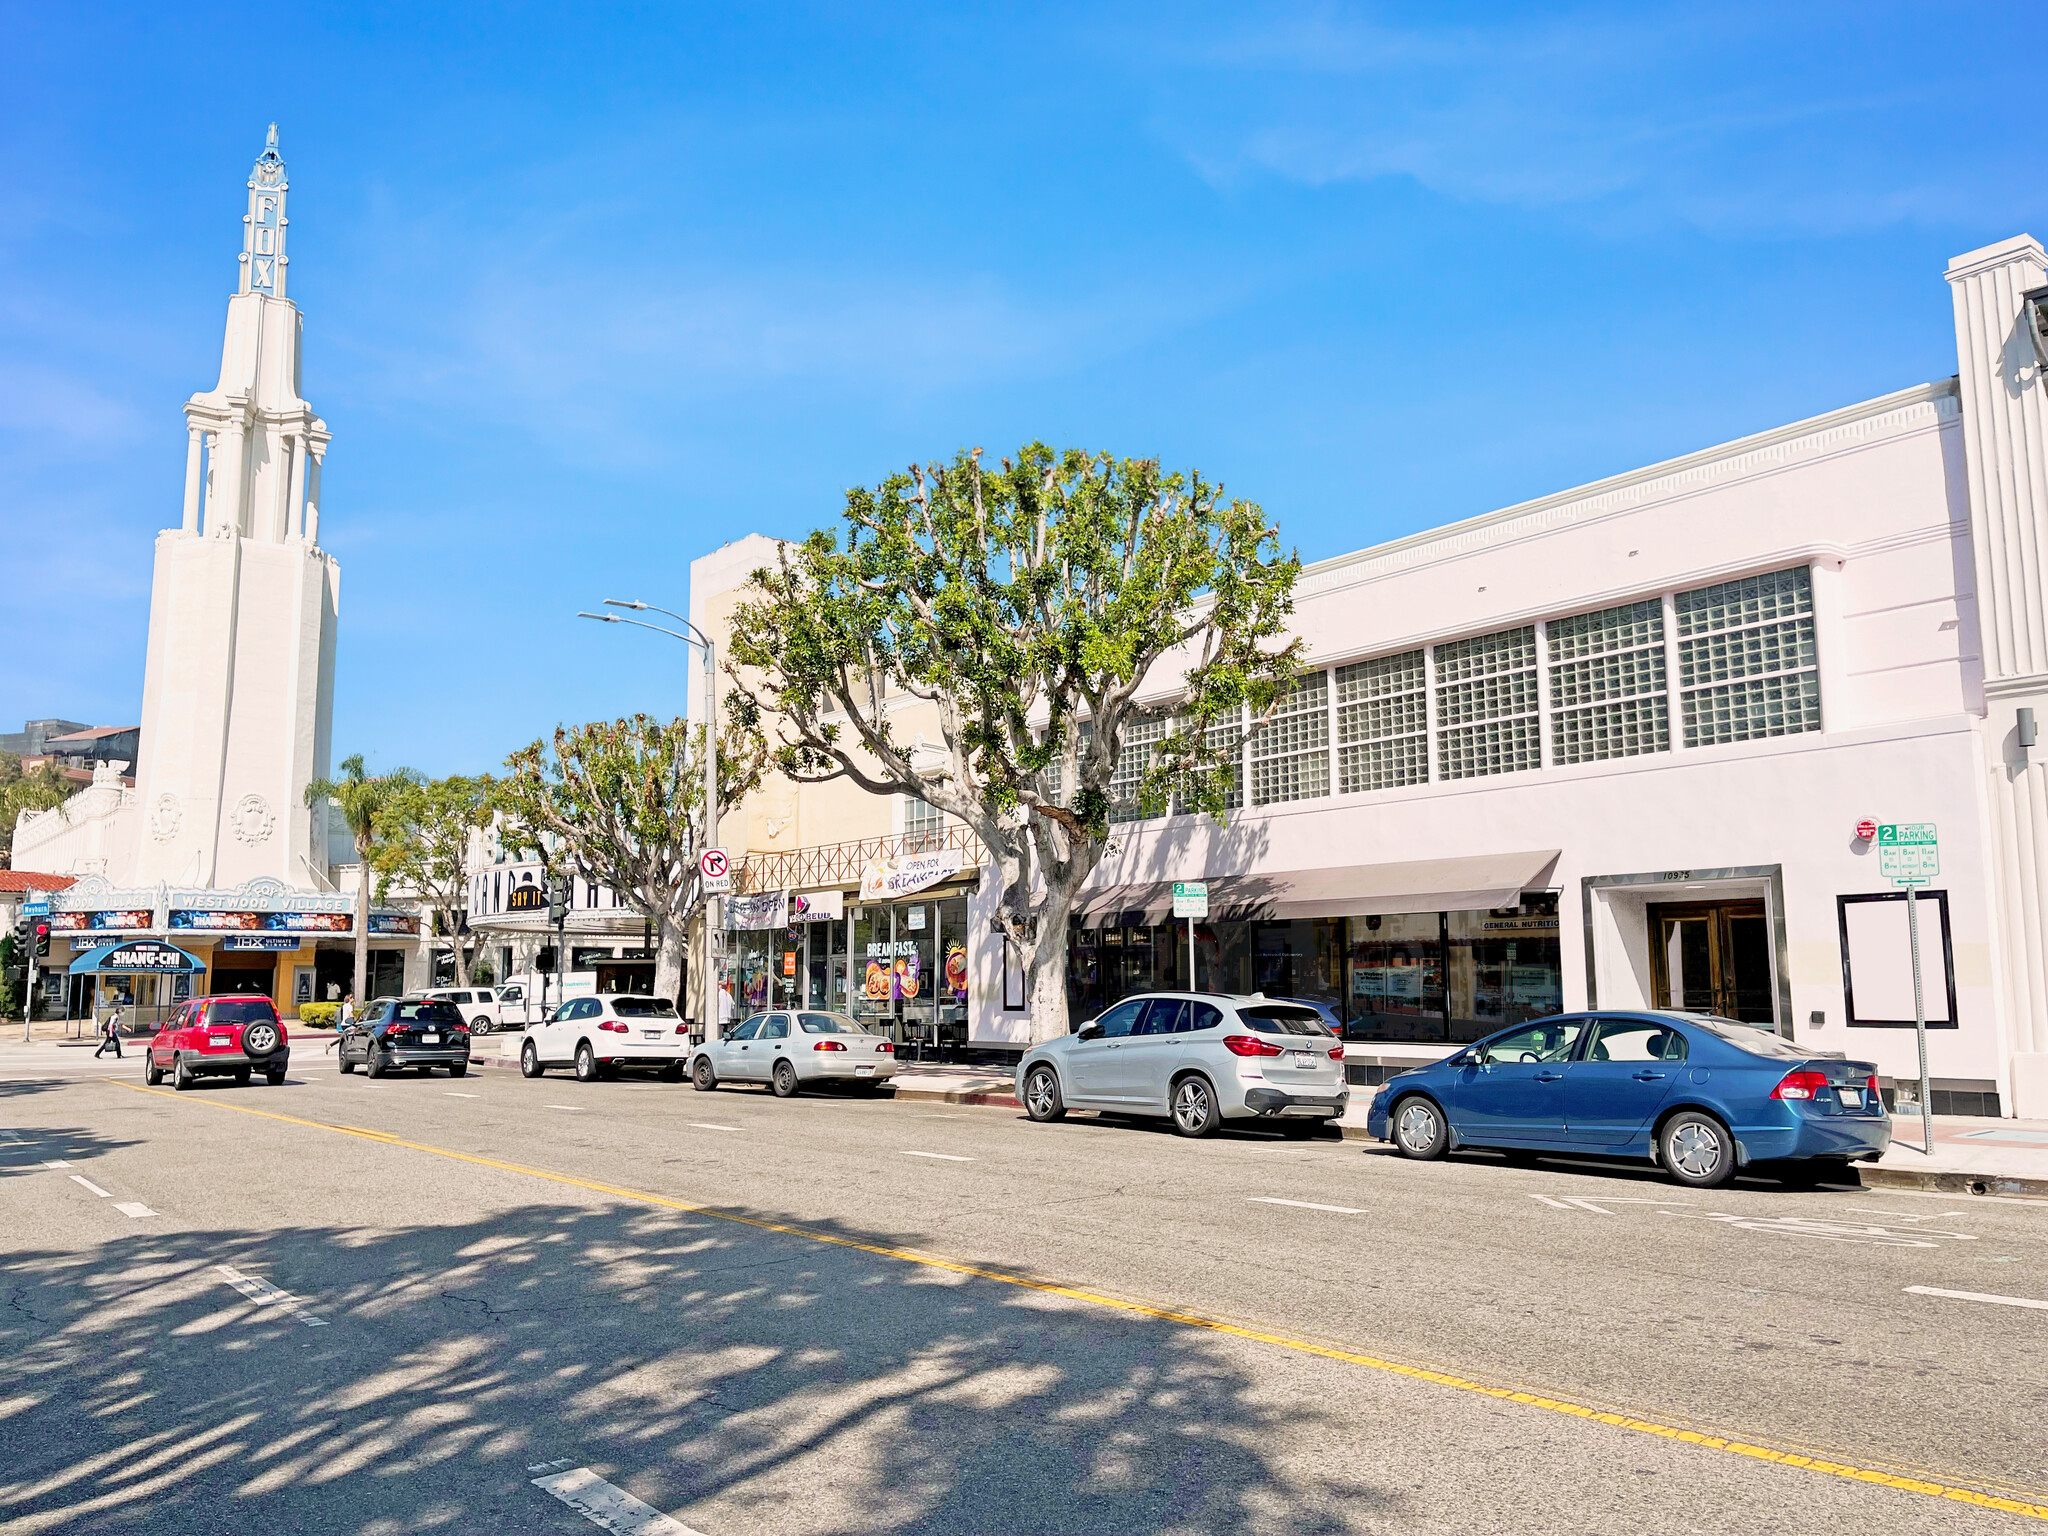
{"type": "Point", "coordinates": [79, 1178]}
{"type": "Point", "coordinates": [451, 1094]}
{"type": "Point", "coordinates": [1597, 1204]}
{"type": "Point", "coordinates": [56, 1163]}
{"type": "Point", "coordinates": [1933, 1194]}
{"type": "Point", "coordinates": [133, 1208]}
{"type": "Point", "coordinates": [578, 1108]}
{"type": "Point", "coordinates": [549, 1466]}
{"type": "Point", "coordinates": [944, 1157]}
{"type": "Point", "coordinates": [264, 1294]}
{"type": "Point", "coordinates": [1996, 1301]}
{"type": "Point", "coordinates": [1306, 1205]}
{"type": "Point", "coordinates": [704, 1125]}
{"type": "Point", "coordinates": [612, 1507]}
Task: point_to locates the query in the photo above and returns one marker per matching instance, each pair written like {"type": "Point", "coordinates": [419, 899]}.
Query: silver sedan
{"type": "Point", "coordinates": [789, 1051]}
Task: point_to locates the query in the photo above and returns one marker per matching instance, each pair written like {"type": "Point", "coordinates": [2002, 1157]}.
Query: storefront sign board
{"type": "Point", "coordinates": [914, 872]}
{"type": "Point", "coordinates": [260, 941]}
{"type": "Point", "coordinates": [817, 907]}
{"type": "Point", "coordinates": [769, 909]}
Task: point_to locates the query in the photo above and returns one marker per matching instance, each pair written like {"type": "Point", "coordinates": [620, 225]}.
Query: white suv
{"type": "Point", "coordinates": [599, 1035]}
{"type": "Point", "coordinates": [1199, 1057]}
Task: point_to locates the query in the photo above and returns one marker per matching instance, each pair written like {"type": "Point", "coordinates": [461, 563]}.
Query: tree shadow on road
{"type": "Point", "coordinates": [747, 1379]}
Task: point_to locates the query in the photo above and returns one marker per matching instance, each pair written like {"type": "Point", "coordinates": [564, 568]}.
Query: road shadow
{"type": "Point", "coordinates": [61, 1143]}
{"type": "Point", "coordinates": [1759, 1176]}
{"type": "Point", "coordinates": [732, 1373]}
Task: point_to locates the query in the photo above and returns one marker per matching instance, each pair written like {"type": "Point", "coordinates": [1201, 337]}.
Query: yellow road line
{"type": "Point", "coordinates": [1938, 1490]}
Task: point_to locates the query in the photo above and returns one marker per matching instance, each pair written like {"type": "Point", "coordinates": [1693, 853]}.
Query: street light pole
{"type": "Point", "coordinates": [696, 637]}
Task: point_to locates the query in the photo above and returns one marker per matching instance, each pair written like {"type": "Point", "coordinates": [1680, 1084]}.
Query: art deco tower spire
{"type": "Point", "coordinates": [263, 258]}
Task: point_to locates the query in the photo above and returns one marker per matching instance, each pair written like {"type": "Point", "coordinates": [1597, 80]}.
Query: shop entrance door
{"type": "Point", "coordinates": [1713, 957]}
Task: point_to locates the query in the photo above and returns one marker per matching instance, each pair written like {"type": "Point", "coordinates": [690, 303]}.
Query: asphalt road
{"type": "Point", "coordinates": [404, 1305]}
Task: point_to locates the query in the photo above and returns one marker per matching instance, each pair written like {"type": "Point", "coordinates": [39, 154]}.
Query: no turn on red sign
{"type": "Point", "coordinates": [715, 868]}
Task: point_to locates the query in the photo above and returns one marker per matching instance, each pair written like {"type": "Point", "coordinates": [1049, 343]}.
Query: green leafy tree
{"type": "Point", "coordinates": [621, 802]}
{"type": "Point", "coordinates": [428, 828]}
{"type": "Point", "coordinates": [38, 790]}
{"type": "Point", "coordinates": [1030, 608]}
{"type": "Point", "coordinates": [364, 800]}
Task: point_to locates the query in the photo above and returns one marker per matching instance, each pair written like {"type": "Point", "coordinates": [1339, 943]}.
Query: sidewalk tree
{"type": "Point", "coordinates": [364, 800]}
{"type": "Point", "coordinates": [1029, 607]}
{"type": "Point", "coordinates": [623, 802]}
{"type": "Point", "coordinates": [429, 828]}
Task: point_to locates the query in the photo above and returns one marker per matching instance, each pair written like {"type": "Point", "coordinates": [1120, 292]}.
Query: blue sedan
{"type": "Point", "coordinates": [1702, 1096]}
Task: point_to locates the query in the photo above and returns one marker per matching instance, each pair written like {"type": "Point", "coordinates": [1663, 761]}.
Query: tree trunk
{"type": "Point", "coordinates": [461, 956]}
{"type": "Point", "coordinates": [668, 959]}
{"type": "Point", "coordinates": [1045, 980]}
{"type": "Point", "coordinates": [362, 925]}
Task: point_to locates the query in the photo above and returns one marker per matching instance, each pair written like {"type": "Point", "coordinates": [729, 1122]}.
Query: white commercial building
{"type": "Point", "coordinates": [215, 847]}
{"type": "Point", "coordinates": [1609, 748]}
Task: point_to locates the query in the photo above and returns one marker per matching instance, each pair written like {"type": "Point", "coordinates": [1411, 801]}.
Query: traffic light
{"type": "Point", "coordinates": [558, 901]}
{"type": "Point", "coordinates": [544, 962]}
{"type": "Point", "coordinates": [42, 933]}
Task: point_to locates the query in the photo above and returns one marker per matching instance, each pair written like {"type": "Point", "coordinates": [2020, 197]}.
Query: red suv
{"type": "Point", "coordinates": [219, 1037]}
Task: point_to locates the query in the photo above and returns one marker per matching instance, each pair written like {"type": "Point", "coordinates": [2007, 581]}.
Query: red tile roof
{"type": "Point", "coordinates": [33, 880]}
{"type": "Point", "coordinates": [95, 733]}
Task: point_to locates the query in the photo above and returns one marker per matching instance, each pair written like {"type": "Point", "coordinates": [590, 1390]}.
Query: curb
{"type": "Point", "coordinates": [1952, 1183]}
{"type": "Point", "coordinates": [997, 1100]}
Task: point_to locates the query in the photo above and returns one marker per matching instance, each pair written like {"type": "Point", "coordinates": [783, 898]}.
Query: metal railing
{"type": "Point", "coordinates": [825, 864]}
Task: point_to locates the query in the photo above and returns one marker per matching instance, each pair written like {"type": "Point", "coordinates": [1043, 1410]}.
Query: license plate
{"type": "Point", "coordinates": [1852, 1098]}
{"type": "Point", "coordinates": [651, 1034]}
{"type": "Point", "coordinates": [1301, 1058]}
{"type": "Point", "coordinates": [217, 1040]}
{"type": "Point", "coordinates": [430, 1039]}
{"type": "Point", "coordinates": [863, 1071]}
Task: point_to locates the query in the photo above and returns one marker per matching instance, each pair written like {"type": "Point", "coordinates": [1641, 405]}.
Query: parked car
{"type": "Point", "coordinates": [1700, 1095]}
{"type": "Point", "coordinates": [600, 1035]}
{"type": "Point", "coordinates": [483, 1010]}
{"type": "Point", "coordinates": [793, 1050]}
{"type": "Point", "coordinates": [1200, 1058]}
{"type": "Point", "coordinates": [219, 1037]}
{"type": "Point", "coordinates": [396, 1032]}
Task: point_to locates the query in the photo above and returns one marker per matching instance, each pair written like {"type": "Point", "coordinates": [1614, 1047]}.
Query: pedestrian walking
{"type": "Point", "coordinates": [110, 1035]}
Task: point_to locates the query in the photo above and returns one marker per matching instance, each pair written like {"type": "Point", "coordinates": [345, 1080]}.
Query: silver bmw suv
{"type": "Point", "coordinates": [1199, 1057]}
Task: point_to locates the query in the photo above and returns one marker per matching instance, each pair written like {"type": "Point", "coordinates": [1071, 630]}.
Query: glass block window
{"type": "Point", "coordinates": [1747, 663]}
{"type": "Point", "coordinates": [1486, 705]}
{"type": "Point", "coordinates": [1607, 694]}
{"type": "Point", "coordinates": [1291, 756]}
{"type": "Point", "coordinates": [1382, 723]}
{"type": "Point", "coordinates": [922, 824]}
{"type": "Point", "coordinates": [1225, 738]}
{"type": "Point", "coordinates": [1133, 759]}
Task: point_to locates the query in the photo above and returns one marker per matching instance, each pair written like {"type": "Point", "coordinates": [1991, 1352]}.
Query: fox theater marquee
{"type": "Point", "coordinates": [215, 848]}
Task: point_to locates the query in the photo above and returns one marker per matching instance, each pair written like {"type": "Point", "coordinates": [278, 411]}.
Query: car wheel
{"type": "Point", "coordinates": [1696, 1149]}
{"type": "Point", "coordinates": [1194, 1107]}
{"type": "Point", "coordinates": [480, 1027]}
{"type": "Point", "coordinates": [460, 1069]}
{"type": "Point", "coordinates": [673, 1073]}
{"type": "Point", "coordinates": [241, 1077]}
{"type": "Point", "coordinates": [703, 1076]}
{"type": "Point", "coordinates": [1042, 1095]}
{"type": "Point", "coordinates": [586, 1063]}
{"type": "Point", "coordinates": [1419, 1129]}
{"type": "Point", "coordinates": [152, 1074]}
{"type": "Point", "coordinates": [348, 1068]}
{"type": "Point", "coordinates": [374, 1064]}
{"type": "Point", "coordinates": [786, 1084]}
{"type": "Point", "coordinates": [275, 1079]}
{"type": "Point", "coordinates": [259, 1039]}
{"type": "Point", "coordinates": [182, 1076]}
{"type": "Point", "coordinates": [529, 1061]}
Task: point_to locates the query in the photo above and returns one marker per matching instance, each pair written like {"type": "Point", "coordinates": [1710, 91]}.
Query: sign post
{"type": "Point", "coordinates": [1909, 855]}
{"type": "Point", "coordinates": [1191, 900]}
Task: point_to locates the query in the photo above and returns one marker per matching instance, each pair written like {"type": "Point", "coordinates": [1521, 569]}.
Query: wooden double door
{"type": "Point", "coordinates": [1713, 957]}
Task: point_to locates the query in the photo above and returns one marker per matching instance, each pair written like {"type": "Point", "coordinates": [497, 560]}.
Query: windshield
{"type": "Point", "coordinates": [240, 1012]}
{"type": "Point", "coordinates": [1757, 1041]}
{"type": "Point", "coordinates": [426, 1013]}
{"type": "Point", "coordinates": [828, 1024]}
{"type": "Point", "coordinates": [643, 1008]}
{"type": "Point", "coordinates": [1284, 1019]}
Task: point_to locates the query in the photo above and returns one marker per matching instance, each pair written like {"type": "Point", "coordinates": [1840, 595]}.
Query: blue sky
{"type": "Point", "coordinates": [590, 290]}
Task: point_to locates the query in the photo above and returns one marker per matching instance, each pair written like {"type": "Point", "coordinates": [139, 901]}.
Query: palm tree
{"type": "Point", "coordinates": [363, 799]}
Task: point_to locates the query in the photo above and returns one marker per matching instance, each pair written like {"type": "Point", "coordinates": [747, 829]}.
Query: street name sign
{"type": "Point", "coordinates": [36, 908]}
{"type": "Point", "coordinates": [716, 870]}
{"type": "Point", "coordinates": [1190, 898]}
{"type": "Point", "coordinates": [1908, 852]}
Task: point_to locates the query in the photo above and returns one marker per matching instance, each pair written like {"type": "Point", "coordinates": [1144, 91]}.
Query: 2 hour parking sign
{"type": "Point", "coordinates": [1908, 852]}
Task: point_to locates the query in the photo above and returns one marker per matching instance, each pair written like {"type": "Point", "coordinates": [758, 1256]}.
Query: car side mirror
{"type": "Point", "coordinates": [1089, 1032]}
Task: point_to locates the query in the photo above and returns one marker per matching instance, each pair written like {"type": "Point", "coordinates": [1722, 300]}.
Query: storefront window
{"type": "Point", "coordinates": [1426, 976]}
